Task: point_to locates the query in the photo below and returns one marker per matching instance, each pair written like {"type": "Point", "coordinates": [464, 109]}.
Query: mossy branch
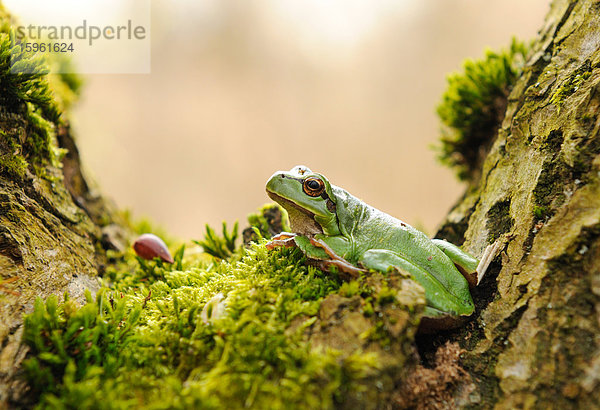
{"type": "Point", "coordinates": [473, 106]}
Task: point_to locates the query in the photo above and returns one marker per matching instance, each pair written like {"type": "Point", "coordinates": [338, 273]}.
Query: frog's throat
{"type": "Point", "coordinates": [302, 221]}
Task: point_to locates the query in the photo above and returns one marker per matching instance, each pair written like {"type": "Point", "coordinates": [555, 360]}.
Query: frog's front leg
{"type": "Point", "coordinates": [340, 263]}
{"type": "Point", "coordinates": [283, 239]}
{"type": "Point", "coordinates": [471, 268]}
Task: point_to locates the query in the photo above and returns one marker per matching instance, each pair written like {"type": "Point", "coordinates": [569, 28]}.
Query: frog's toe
{"type": "Point", "coordinates": [318, 243]}
{"type": "Point", "coordinates": [283, 235]}
{"type": "Point", "coordinates": [285, 243]}
{"type": "Point", "coordinates": [347, 270]}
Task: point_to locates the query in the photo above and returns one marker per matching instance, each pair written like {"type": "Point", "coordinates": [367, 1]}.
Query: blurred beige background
{"type": "Point", "coordinates": [240, 89]}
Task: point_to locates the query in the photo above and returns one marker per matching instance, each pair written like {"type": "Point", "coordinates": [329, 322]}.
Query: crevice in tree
{"type": "Point", "coordinates": [9, 246]}
{"type": "Point", "coordinates": [528, 242]}
{"type": "Point", "coordinates": [454, 232]}
{"type": "Point", "coordinates": [39, 198]}
{"type": "Point", "coordinates": [483, 294]}
{"type": "Point", "coordinates": [562, 22]}
{"type": "Point", "coordinates": [549, 192]}
{"type": "Point", "coordinates": [499, 220]}
{"type": "Point", "coordinates": [508, 325]}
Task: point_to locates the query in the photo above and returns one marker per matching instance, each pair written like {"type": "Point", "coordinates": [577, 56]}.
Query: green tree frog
{"type": "Point", "coordinates": [337, 231]}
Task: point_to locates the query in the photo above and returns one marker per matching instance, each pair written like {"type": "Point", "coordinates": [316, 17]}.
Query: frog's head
{"type": "Point", "coordinates": [308, 199]}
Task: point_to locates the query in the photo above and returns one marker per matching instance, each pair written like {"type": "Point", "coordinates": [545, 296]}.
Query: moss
{"type": "Point", "coordinates": [473, 106]}
{"type": "Point", "coordinates": [72, 342]}
{"type": "Point", "coordinates": [499, 220]}
{"type": "Point", "coordinates": [482, 368]}
{"type": "Point", "coordinates": [553, 141]}
{"type": "Point", "coordinates": [549, 191]}
{"type": "Point", "coordinates": [571, 84]}
{"type": "Point", "coordinates": [217, 246]}
{"type": "Point", "coordinates": [350, 289]}
{"type": "Point", "coordinates": [23, 77]}
{"type": "Point", "coordinates": [269, 220]}
{"type": "Point", "coordinates": [11, 163]}
{"type": "Point", "coordinates": [67, 76]}
{"type": "Point", "coordinates": [386, 296]}
{"type": "Point", "coordinates": [540, 212]}
{"type": "Point", "coordinates": [148, 340]}
{"type": "Point", "coordinates": [32, 103]}
{"type": "Point", "coordinates": [379, 334]}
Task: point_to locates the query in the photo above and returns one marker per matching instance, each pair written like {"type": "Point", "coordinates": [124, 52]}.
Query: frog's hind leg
{"type": "Point", "coordinates": [472, 269]}
{"type": "Point", "coordinates": [340, 263]}
{"type": "Point", "coordinates": [439, 297]}
{"type": "Point", "coordinates": [284, 239]}
{"type": "Point", "coordinates": [464, 262]}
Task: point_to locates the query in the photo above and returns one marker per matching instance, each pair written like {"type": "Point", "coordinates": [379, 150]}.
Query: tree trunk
{"type": "Point", "coordinates": [53, 229]}
{"type": "Point", "coordinates": [536, 340]}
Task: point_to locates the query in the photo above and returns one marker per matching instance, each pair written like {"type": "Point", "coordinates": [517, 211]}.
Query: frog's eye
{"type": "Point", "coordinates": [313, 186]}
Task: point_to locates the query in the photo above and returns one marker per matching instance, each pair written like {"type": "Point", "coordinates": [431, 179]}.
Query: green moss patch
{"type": "Point", "coordinates": [251, 329]}
{"type": "Point", "coordinates": [270, 220]}
{"type": "Point", "coordinates": [473, 107]}
{"type": "Point", "coordinates": [499, 220]}
{"type": "Point", "coordinates": [571, 84]}
{"type": "Point", "coordinates": [32, 102]}
{"type": "Point", "coordinates": [549, 192]}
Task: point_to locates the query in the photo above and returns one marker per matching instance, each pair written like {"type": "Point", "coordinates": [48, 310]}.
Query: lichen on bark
{"type": "Point", "coordinates": [536, 344]}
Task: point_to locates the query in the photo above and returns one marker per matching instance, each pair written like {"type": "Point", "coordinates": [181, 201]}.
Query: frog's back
{"type": "Point", "coordinates": [371, 228]}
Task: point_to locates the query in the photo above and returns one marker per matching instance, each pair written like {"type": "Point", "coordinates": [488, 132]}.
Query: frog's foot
{"type": "Point", "coordinates": [349, 271]}
{"type": "Point", "coordinates": [284, 239]}
{"type": "Point", "coordinates": [490, 252]}
{"type": "Point", "coordinates": [340, 263]}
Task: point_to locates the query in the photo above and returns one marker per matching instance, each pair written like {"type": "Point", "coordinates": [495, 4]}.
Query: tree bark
{"type": "Point", "coordinates": [54, 229]}
{"type": "Point", "coordinates": [536, 340]}
{"type": "Point", "coordinates": [53, 238]}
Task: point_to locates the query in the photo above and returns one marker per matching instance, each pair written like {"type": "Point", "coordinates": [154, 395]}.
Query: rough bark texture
{"type": "Point", "coordinates": [51, 245]}
{"type": "Point", "coordinates": [536, 340]}
{"type": "Point", "coordinates": [53, 229]}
